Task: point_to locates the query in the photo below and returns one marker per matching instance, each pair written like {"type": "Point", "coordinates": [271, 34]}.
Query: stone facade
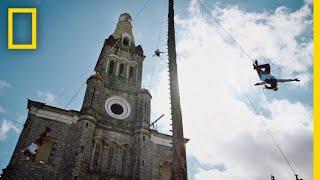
{"type": "Point", "coordinates": [110, 137]}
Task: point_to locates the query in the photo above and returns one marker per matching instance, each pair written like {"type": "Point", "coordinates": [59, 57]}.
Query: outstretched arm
{"type": "Point", "coordinates": [287, 80]}
{"type": "Point", "coordinates": [260, 83]}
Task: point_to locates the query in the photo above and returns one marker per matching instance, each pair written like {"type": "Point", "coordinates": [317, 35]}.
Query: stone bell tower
{"type": "Point", "coordinates": [115, 114]}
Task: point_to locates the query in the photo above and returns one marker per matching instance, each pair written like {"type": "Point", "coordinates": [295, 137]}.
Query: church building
{"type": "Point", "coordinates": [110, 137]}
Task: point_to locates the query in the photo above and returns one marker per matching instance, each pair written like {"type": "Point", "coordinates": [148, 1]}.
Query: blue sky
{"type": "Point", "coordinates": [70, 37]}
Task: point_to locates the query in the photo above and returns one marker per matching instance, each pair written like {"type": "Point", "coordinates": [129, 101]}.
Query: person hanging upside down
{"type": "Point", "coordinates": [268, 80]}
{"type": "Point", "coordinates": [157, 53]}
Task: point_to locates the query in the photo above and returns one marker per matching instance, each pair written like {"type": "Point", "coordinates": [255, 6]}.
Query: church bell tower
{"type": "Point", "coordinates": [115, 114]}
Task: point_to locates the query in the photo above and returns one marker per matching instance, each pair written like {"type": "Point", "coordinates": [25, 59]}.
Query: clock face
{"type": "Point", "coordinates": [117, 107]}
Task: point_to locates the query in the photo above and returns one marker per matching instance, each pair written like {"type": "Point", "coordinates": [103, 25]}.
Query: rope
{"type": "Point", "coordinates": [63, 91]}
{"type": "Point", "coordinates": [152, 72]}
{"type": "Point", "coordinates": [75, 95]}
{"type": "Point", "coordinates": [247, 54]}
{"type": "Point", "coordinates": [82, 85]}
{"type": "Point", "coordinates": [279, 148]}
{"type": "Point", "coordinates": [161, 24]}
{"type": "Point", "coordinates": [278, 145]}
{"type": "Point", "coordinates": [158, 42]}
{"type": "Point", "coordinates": [271, 135]}
{"type": "Point", "coordinates": [224, 29]}
{"type": "Point", "coordinates": [139, 12]}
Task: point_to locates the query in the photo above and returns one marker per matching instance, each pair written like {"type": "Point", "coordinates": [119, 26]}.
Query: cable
{"type": "Point", "coordinates": [159, 36]}
{"type": "Point", "coordinates": [279, 148]}
{"type": "Point", "coordinates": [224, 29]}
{"type": "Point", "coordinates": [152, 72]}
{"type": "Point", "coordinates": [75, 95]}
{"type": "Point", "coordinates": [278, 145]}
{"type": "Point", "coordinates": [161, 24]}
{"type": "Point", "coordinates": [271, 135]}
{"type": "Point", "coordinates": [82, 85]}
{"type": "Point", "coordinates": [63, 91]}
{"type": "Point", "coordinates": [139, 12]}
{"type": "Point", "coordinates": [247, 54]}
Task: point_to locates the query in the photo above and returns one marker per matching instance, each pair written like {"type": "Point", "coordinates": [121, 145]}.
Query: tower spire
{"type": "Point", "coordinates": [179, 150]}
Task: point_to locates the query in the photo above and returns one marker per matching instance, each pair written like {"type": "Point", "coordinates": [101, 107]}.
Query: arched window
{"type": "Point", "coordinates": [131, 73]}
{"type": "Point", "coordinates": [112, 159]}
{"type": "Point", "coordinates": [121, 70]}
{"type": "Point", "coordinates": [111, 67]}
{"type": "Point", "coordinates": [124, 161]}
{"type": "Point", "coordinates": [126, 41]}
{"type": "Point", "coordinates": [96, 156]}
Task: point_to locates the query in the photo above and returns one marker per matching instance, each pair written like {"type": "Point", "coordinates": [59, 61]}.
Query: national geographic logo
{"type": "Point", "coordinates": [33, 12]}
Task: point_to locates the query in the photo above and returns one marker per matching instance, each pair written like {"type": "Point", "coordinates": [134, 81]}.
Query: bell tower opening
{"type": "Point", "coordinates": [111, 67]}
{"type": "Point", "coordinates": [126, 41]}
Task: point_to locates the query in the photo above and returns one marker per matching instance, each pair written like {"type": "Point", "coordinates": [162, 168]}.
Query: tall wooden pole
{"type": "Point", "coordinates": [179, 170]}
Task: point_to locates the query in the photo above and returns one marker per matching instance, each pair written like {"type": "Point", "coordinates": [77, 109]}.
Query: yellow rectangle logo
{"type": "Point", "coordinates": [33, 12]}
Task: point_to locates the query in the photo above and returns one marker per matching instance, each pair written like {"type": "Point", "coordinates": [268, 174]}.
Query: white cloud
{"type": "Point", "coordinates": [216, 84]}
{"type": "Point", "coordinates": [4, 84]}
{"type": "Point", "coordinates": [308, 1]}
{"type": "Point", "coordinates": [48, 97]}
{"type": "Point", "coordinates": [21, 118]}
{"type": "Point", "coordinates": [5, 128]}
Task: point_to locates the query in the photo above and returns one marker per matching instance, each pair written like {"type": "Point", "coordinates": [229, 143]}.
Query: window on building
{"type": "Point", "coordinates": [96, 156]}
{"type": "Point", "coordinates": [131, 73]}
{"type": "Point", "coordinates": [44, 151]}
{"type": "Point", "coordinates": [112, 159]}
{"type": "Point", "coordinates": [111, 67]}
{"type": "Point", "coordinates": [124, 162]}
{"type": "Point", "coordinates": [121, 70]}
{"type": "Point", "coordinates": [126, 41]}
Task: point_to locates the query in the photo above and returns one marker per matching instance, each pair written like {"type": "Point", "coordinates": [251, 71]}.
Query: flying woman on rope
{"type": "Point", "coordinates": [157, 53]}
{"type": "Point", "coordinates": [263, 71]}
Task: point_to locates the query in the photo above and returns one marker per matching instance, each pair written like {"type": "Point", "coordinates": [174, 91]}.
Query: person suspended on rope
{"type": "Point", "coordinates": [157, 53]}
{"type": "Point", "coordinates": [32, 148]}
{"type": "Point", "coordinates": [297, 178]}
{"type": "Point", "coordinates": [267, 79]}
